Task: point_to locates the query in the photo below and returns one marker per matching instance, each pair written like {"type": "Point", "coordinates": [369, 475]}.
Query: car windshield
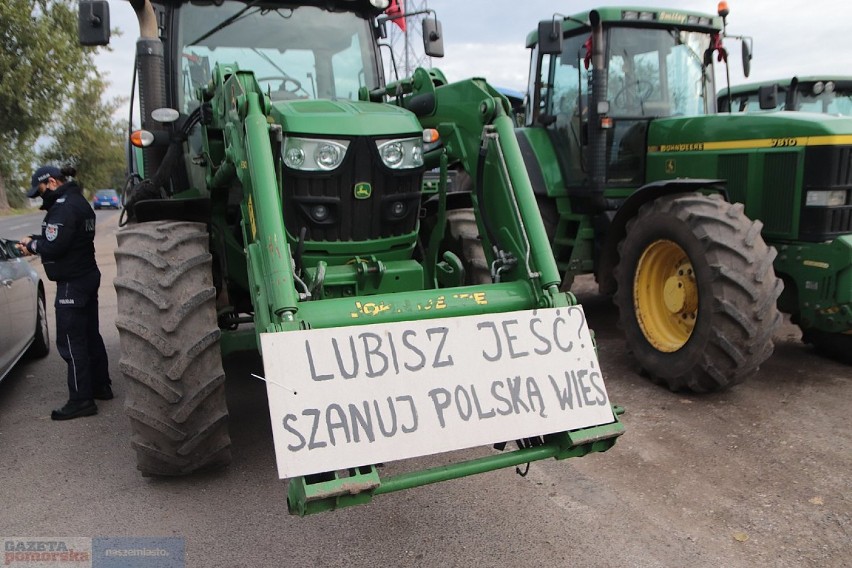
{"type": "Point", "coordinates": [296, 52]}
{"type": "Point", "coordinates": [106, 193]}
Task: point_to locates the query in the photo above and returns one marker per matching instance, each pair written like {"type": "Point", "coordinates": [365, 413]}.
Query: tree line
{"type": "Point", "coordinates": [53, 107]}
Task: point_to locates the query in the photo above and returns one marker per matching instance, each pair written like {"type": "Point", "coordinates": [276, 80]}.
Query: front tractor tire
{"type": "Point", "coordinates": [697, 292]}
{"type": "Point", "coordinates": [170, 354]}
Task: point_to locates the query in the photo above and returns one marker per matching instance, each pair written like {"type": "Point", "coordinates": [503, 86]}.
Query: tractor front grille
{"type": "Point", "coordinates": [327, 207]}
{"type": "Point", "coordinates": [779, 191]}
{"type": "Point", "coordinates": [827, 168]}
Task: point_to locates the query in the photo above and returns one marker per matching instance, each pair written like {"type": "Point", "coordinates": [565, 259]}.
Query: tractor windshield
{"type": "Point", "coordinates": [650, 73]}
{"type": "Point", "coordinates": [296, 52]}
{"type": "Point", "coordinates": [657, 72]}
{"type": "Point", "coordinates": [824, 97]}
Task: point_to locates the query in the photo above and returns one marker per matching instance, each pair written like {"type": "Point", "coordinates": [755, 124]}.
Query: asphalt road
{"type": "Point", "coordinates": [757, 476]}
{"type": "Point", "coordinates": [17, 226]}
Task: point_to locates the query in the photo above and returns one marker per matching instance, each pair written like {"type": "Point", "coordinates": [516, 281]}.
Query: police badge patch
{"type": "Point", "coordinates": [51, 231]}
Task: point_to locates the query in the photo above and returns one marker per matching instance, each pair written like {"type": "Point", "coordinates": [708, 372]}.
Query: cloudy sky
{"type": "Point", "coordinates": [486, 37]}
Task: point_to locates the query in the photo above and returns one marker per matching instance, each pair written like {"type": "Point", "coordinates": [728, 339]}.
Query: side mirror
{"type": "Point", "coordinates": [746, 57]}
{"type": "Point", "coordinates": [550, 37]}
{"type": "Point", "coordinates": [93, 22]}
{"type": "Point", "coordinates": [433, 39]}
{"type": "Point", "coordinates": [768, 97]}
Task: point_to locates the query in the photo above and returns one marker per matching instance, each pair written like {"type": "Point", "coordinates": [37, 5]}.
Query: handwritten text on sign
{"type": "Point", "coordinates": [353, 396]}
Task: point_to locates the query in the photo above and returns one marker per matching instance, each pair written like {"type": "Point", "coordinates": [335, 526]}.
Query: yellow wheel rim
{"type": "Point", "coordinates": [665, 296]}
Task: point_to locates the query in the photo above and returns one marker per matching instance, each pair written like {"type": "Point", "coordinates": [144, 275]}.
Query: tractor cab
{"type": "Point", "coordinates": [825, 95]}
{"type": "Point", "coordinates": [650, 65]}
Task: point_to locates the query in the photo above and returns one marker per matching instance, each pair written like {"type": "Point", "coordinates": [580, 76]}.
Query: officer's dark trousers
{"type": "Point", "coordinates": [78, 338]}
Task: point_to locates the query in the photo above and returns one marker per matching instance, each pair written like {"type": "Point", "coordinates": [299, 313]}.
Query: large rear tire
{"type": "Point", "coordinates": [697, 292]}
{"type": "Point", "coordinates": [170, 354]}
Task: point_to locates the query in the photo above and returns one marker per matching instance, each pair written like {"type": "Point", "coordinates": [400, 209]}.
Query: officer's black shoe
{"type": "Point", "coordinates": [74, 409]}
{"type": "Point", "coordinates": [103, 393]}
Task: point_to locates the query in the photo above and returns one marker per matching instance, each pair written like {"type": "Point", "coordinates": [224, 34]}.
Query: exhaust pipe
{"type": "Point", "coordinates": [150, 72]}
{"type": "Point", "coordinates": [597, 137]}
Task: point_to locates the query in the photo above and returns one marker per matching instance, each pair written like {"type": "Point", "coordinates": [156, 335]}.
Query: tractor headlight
{"type": "Point", "coordinates": [826, 198]}
{"type": "Point", "coordinates": [294, 157]}
{"type": "Point", "coordinates": [402, 153]}
{"type": "Point", "coordinates": [311, 154]}
{"type": "Point", "coordinates": [329, 156]}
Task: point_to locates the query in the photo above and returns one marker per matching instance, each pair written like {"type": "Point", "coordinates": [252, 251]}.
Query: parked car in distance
{"type": "Point", "coordinates": [23, 311]}
{"type": "Point", "coordinates": [106, 198]}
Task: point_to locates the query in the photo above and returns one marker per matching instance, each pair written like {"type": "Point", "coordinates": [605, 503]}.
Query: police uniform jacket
{"type": "Point", "coordinates": [67, 241]}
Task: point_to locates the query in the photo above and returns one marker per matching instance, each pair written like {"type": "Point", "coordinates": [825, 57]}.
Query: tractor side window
{"type": "Point", "coordinates": [570, 79]}
{"type": "Point", "coordinates": [343, 63]}
{"type": "Point", "coordinates": [196, 74]}
{"type": "Point", "coordinates": [566, 100]}
{"type": "Point", "coordinates": [545, 91]}
{"type": "Point", "coordinates": [688, 84]}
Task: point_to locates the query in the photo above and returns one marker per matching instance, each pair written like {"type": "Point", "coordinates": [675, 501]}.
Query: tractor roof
{"type": "Point", "coordinates": [640, 17]}
{"type": "Point", "coordinates": [840, 80]}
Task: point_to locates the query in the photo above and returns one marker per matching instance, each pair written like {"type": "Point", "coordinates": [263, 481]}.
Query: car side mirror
{"type": "Point", "coordinates": [93, 22]}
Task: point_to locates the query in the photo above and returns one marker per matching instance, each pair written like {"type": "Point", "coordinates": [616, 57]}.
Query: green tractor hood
{"type": "Point", "coordinates": [747, 131]}
{"type": "Point", "coordinates": [344, 118]}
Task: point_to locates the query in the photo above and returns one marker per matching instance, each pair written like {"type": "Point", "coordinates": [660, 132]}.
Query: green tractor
{"type": "Point", "coordinates": [279, 205]}
{"type": "Point", "coordinates": [825, 94]}
{"type": "Point", "coordinates": [678, 211]}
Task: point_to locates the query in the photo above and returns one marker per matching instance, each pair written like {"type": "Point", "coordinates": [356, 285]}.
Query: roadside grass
{"type": "Point", "coordinates": [17, 211]}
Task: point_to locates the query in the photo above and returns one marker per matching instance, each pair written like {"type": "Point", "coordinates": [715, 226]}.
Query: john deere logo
{"type": "Point", "coordinates": [363, 190]}
{"type": "Point", "coordinates": [670, 167]}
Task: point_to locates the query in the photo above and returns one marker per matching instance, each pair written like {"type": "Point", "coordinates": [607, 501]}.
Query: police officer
{"type": "Point", "coordinates": [67, 249]}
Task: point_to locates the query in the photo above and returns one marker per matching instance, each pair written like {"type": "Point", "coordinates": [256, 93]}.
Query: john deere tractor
{"type": "Point", "coordinates": [279, 206]}
{"type": "Point", "coordinates": [826, 94]}
{"type": "Point", "coordinates": [690, 219]}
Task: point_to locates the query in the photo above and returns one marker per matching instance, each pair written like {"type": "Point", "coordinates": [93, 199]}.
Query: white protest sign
{"type": "Point", "coordinates": [353, 396]}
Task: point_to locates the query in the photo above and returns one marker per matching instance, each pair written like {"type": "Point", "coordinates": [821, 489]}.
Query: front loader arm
{"type": "Point", "coordinates": [237, 137]}
{"type": "Point", "coordinates": [477, 135]}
